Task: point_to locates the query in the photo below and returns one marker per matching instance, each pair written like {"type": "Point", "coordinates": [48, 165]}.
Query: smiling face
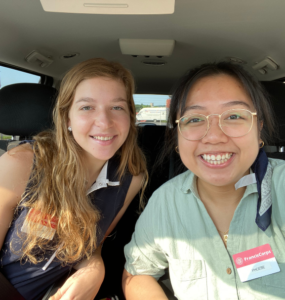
{"type": "Point", "coordinates": [100, 117]}
{"type": "Point", "coordinates": [232, 156]}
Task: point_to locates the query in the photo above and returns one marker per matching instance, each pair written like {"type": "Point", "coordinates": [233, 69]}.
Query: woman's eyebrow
{"type": "Point", "coordinates": [119, 100]}
{"type": "Point", "coordinates": [227, 104]}
{"type": "Point", "coordinates": [187, 108]}
{"type": "Point", "coordinates": [91, 100]}
{"type": "Point", "coordinates": [85, 99]}
{"type": "Point", "coordinates": [236, 102]}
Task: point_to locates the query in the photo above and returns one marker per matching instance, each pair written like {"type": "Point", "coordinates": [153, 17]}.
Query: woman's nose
{"type": "Point", "coordinates": [103, 119]}
{"type": "Point", "coordinates": [215, 133]}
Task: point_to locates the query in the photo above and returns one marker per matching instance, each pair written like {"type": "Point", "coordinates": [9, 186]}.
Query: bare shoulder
{"type": "Point", "coordinates": [15, 169]}
{"type": "Point", "coordinates": [19, 158]}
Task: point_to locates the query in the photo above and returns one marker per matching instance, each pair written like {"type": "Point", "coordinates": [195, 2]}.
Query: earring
{"type": "Point", "coordinates": [176, 149]}
{"type": "Point", "coordinates": [261, 144]}
{"type": "Point", "coordinates": [69, 128]}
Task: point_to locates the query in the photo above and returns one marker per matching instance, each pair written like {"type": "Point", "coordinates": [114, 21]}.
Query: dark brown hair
{"type": "Point", "coordinates": [254, 89]}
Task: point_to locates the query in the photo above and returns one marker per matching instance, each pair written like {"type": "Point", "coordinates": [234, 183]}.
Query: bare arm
{"type": "Point", "coordinates": [141, 287]}
{"type": "Point", "coordinates": [15, 169]}
{"type": "Point", "coordinates": [145, 257]}
{"type": "Point", "coordinates": [85, 282]}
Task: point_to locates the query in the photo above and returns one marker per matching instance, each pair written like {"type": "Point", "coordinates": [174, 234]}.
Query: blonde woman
{"type": "Point", "coordinates": [63, 192]}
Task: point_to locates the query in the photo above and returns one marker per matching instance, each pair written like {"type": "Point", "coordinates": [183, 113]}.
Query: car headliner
{"type": "Point", "coordinates": [204, 31]}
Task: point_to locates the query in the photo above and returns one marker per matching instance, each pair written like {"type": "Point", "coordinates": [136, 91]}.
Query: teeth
{"type": "Point", "coordinates": [217, 160]}
{"type": "Point", "coordinates": [103, 138]}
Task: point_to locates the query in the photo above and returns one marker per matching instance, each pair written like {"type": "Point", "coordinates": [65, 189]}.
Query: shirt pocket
{"type": "Point", "coordinates": [188, 278]}
{"type": "Point", "coordinates": [276, 280]}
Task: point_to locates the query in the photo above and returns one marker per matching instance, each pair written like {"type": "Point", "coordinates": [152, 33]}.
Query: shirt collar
{"type": "Point", "coordinates": [102, 181]}
{"type": "Point", "coordinates": [189, 184]}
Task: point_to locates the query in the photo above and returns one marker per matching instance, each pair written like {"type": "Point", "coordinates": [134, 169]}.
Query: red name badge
{"type": "Point", "coordinates": [45, 225]}
{"type": "Point", "coordinates": [255, 263]}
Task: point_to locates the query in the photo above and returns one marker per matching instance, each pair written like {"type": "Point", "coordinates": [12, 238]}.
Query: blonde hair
{"type": "Point", "coordinates": [57, 186]}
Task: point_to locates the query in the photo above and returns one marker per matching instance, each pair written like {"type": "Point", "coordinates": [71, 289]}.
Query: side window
{"type": "Point", "coordinates": [152, 109]}
{"type": "Point", "coordinates": [10, 76]}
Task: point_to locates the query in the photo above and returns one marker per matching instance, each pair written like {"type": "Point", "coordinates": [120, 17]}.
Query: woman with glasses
{"type": "Point", "coordinates": [220, 226]}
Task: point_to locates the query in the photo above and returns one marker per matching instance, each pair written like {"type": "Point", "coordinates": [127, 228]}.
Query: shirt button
{"type": "Point", "coordinates": [100, 184]}
{"type": "Point", "coordinates": [229, 271]}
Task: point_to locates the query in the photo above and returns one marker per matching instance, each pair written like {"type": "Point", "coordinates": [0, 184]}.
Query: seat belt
{"type": "Point", "coordinates": [7, 291]}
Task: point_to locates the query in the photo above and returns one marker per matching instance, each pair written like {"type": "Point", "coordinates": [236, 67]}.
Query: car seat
{"type": "Point", "coordinates": [25, 110]}
{"type": "Point", "coordinates": [276, 93]}
{"type": "Point", "coordinates": [151, 140]}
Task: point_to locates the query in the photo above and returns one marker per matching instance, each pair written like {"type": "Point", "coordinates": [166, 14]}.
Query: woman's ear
{"type": "Point", "coordinates": [259, 134]}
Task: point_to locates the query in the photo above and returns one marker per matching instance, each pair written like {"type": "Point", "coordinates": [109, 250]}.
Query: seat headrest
{"type": "Point", "coordinates": [151, 136]}
{"type": "Point", "coordinates": [26, 108]}
{"type": "Point", "coordinates": [276, 92]}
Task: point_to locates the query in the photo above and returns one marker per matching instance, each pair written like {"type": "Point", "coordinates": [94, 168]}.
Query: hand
{"type": "Point", "coordinates": [82, 285]}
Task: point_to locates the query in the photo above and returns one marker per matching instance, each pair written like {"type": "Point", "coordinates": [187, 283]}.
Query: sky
{"type": "Point", "coordinates": [10, 76]}
{"type": "Point", "coordinates": [157, 100]}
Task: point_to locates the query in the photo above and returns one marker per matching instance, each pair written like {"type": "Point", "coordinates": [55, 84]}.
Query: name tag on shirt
{"type": "Point", "coordinates": [45, 225]}
{"type": "Point", "coordinates": [255, 263]}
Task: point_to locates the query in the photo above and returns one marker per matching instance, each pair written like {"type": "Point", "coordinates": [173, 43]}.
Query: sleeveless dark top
{"type": "Point", "coordinates": [29, 279]}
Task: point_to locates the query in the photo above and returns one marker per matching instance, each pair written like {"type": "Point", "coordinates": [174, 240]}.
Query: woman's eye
{"type": "Point", "coordinates": [117, 108]}
{"type": "Point", "coordinates": [234, 117]}
{"type": "Point", "coordinates": [86, 108]}
{"type": "Point", "coordinates": [191, 121]}
{"type": "Point", "coordinates": [194, 120]}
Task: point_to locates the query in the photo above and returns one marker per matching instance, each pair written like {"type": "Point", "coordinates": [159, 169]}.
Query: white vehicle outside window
{"type": "Point", "coordinates": [152, 108]}
{"type": "Point", "coordinates": [152, 114]}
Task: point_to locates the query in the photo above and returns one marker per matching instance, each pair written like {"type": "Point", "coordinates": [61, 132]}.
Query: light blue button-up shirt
{"type": "Point", "coordinates": [176, 231]}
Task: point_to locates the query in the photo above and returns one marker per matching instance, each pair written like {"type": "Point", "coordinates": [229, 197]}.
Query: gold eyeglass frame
{"type": "Point", "coordinates": [208, 123]}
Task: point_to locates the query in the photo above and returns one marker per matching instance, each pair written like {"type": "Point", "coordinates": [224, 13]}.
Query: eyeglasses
{"type": "Point", "coordinates": [233, 122]}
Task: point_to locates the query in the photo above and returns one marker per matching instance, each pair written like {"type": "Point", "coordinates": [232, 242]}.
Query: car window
{"type": "Point", "coordinates": [5, 137]}
{"type": "Point", "coordinates": [152, 109]}
{"type": "Point", "coordinates": [10, 76]}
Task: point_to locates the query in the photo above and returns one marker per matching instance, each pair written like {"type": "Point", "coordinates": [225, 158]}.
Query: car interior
{"type": "Point", "coordinates": [158, 41]}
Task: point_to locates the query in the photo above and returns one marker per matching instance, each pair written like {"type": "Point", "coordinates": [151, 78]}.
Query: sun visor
{"type": "Point", "coordinates": [112, 7]}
